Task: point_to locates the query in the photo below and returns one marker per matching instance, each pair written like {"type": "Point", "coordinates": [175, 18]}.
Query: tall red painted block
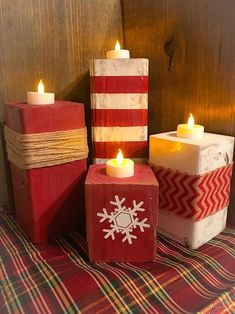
{"type": "Point", "coordinates": [49, 200]}
{"type": "Point", "coordinates": [119, 108]}
{"type": "Point", "coordinates": [121, 215]}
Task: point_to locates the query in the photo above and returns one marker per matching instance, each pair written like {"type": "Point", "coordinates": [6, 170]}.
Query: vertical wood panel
{"type": "Point", "coordinates": [191, 47]}
{"type": "Point", "coordinates": [53, 40]}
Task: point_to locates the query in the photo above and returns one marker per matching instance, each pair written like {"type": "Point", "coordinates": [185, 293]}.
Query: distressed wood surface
{"type": "Point", "coordinates": [194, 157]}
{"type": "Point", "coordinates": [190, 46]}
{"type": "Point", "coordinates": [192, 234]}
{"type": "Point", "coordinates": [53, 41]}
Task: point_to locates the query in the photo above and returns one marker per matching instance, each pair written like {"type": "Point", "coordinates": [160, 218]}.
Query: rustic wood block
{"type": "Point", "coordinates": [194, 185]}
{"type": "Point", "coordinates": [119, 107]}
{"type": "Point", "coordinates": [121, 215]}
{"type": "Point", "coordinates": [50, 200]}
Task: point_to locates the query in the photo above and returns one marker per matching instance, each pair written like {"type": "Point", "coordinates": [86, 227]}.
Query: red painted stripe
{"type": "Point", "coordinates": [119, 84]}
{"type": "Point", "coordinates": [119, 117]}
{"type": "Point", "coordinates": [129, 149]}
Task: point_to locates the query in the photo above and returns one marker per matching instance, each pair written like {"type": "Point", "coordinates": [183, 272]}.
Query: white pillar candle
{"type": "Point", "coordinates": [190, 130]}
{"type": "Point", "coordinates": [120, 167]}
{"type": "Point", "coordinates": [39, 97]}
{"type": "Point", "coordinates": [118, 53]}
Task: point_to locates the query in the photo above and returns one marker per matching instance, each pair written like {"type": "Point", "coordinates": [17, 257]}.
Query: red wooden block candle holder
{"type": "Point", "coordinates": [121, 215]}
{"type": "Point", "coordinates": [49, 200]}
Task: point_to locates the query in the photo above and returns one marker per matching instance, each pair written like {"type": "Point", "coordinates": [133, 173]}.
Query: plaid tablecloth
{"type": "Point", "coordinates": [58, 278]}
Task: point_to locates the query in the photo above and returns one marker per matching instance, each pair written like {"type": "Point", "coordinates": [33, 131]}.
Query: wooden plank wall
{"type": "Point", "coordinates": [190, 44]}
{"type": "Point", "coordinates": [191, 48]}
{"type": "Point", "coordinates": [53, 40]}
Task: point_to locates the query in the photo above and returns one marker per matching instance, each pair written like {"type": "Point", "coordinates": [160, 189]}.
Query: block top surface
{"type": "Point", "coordinates": [143, 176]}
{"type": "Point", "coordinates": [58, 105]}
{"type": "Point", "coordinates": [208, 139]}
{"type": "Point", "coordinates": [62, 115]}
{"type": "Point", "coordinates": [120, 60]}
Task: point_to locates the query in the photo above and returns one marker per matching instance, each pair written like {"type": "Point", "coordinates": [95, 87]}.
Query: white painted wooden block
{"type": "Point", "coordinates": [194, 182]}
{"type": "Point", "coordinates": [190, 233]}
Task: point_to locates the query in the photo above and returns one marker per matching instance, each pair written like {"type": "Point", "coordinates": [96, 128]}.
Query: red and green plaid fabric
{"type": "Point", "coordinates": [58, 278]}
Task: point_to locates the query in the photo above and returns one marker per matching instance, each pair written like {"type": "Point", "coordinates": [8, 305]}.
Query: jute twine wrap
{"type": "Point", "coordinates": [38, 150]}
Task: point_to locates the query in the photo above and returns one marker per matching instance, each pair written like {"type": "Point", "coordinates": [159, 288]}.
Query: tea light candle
{"type": "Point", "coordinates": [118, 53]}
{"type": "Point", "coordinates": [39, 97]}
{"type": "Point", "coordinates": [190, 130]}
{"type": "Point", "coordinates": [120, 167]}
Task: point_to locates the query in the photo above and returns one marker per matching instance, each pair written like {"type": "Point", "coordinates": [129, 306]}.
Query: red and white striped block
{"type": "Point", "coordinates": [119, 107]}
{"type": "Point", "coordinates": [194, 185]}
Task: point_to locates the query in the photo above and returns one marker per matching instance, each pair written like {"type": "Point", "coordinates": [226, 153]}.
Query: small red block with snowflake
{"type": "Point", "coordinates": [121, 215]}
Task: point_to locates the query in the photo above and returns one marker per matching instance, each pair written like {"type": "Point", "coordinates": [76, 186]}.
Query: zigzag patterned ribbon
{"type": "Point", "coordinates": [194, 196]}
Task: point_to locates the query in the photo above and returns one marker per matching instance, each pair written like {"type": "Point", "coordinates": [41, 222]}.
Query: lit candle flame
{"type": "Point", "coordinates": [117, 46]}
{"type": "Point", "coordinates": [40, 87]}
{"type": "Point", "coordinates": [119, 157]}
{"type": "Point", "coordinates": [190, 121]}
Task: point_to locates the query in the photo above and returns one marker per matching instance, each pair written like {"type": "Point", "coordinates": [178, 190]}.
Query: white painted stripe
{"type": "Point", "coordinates": [136, 160]}
{"type": "Point", "coordinates": [119, 101]}
{"type": "Point", "coordinates": [119, 67]}
{"type": "Point", "coordinates": [119, 134]}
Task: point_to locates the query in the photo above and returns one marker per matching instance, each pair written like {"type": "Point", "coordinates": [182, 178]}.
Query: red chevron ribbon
{"type": "Point", "coordinates": [194, 196]}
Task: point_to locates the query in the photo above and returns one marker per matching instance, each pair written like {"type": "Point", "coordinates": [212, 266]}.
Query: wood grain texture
{"type": "Point", "coordinates": [190, 46]}
{"type": "Point", "coordinates": [54, 40]}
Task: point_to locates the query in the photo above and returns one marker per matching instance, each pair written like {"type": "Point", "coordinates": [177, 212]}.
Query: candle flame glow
{"type": "Point", "coordinates": [117, 46]}
{"type": "Point", "coordinates": [40, 87]}
{"type": "Point", "coordinates": [190, 121]}
{"type": "Point", "coordinates": [119, 157]}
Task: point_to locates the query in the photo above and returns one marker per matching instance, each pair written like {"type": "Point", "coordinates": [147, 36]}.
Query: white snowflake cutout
{"type": "Point", "coordinates": [123, 219]}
